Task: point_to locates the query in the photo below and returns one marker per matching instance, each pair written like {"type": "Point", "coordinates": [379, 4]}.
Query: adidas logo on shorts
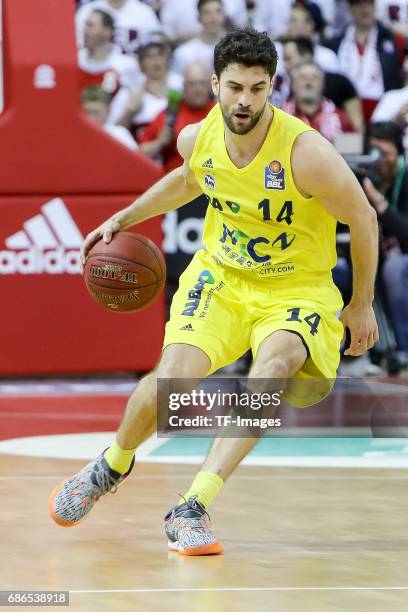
{"type": "Point", "coordinates": [188, 327]}
{"type": "Point", "coordinates": [207, 164]}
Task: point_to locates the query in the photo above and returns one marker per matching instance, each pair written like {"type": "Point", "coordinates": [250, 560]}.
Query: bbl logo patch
{"type": "Point", "coordinates": [274, 175]}
{"type": "Point", "coordinates": [209, 182]}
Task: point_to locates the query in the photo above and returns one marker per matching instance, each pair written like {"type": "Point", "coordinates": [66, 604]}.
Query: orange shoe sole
{"type": "Point", "coordinates": [207, 549]}
{"type": "Point", "coordinates": [54, 517]}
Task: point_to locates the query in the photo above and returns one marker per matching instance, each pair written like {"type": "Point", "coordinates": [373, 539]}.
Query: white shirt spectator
{"type": "Point", "coordinates": [390, 106]}
{"type": "Point", "coordinates": [132, 21]}
{"type": "Point", "coordinates": [122, 134]}
{"type": "Point", "coordinates": [281, 90]}
{"type": "Point", "coordinates": [195, 50]}
{"type": "Point", "coordinates": [326, 59]}
{"type": "Point", "coordinates": [150, 107]}
{"type": "Point", "coordinates": [363, 69]}
{"type": "Point", "coordinates": [273, 15]}
{"type": "Point", "coordinates": [180, 17]}
{"type": "Point", "coordinates": [116, 70]}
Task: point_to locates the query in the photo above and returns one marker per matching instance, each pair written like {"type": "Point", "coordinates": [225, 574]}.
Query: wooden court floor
{"type": "Point", "coordinates": [321, 540]}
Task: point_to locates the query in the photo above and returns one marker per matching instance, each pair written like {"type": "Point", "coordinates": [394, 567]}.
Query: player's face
{"type": "Point", "coordinates": [242, 93]}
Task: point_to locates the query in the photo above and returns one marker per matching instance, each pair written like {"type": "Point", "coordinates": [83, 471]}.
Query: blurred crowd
{"type": "Point", "coordinates": [145, 66]}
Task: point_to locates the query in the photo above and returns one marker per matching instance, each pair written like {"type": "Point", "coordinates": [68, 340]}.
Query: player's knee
{"type": "Point", "coordinates": [272, 367]}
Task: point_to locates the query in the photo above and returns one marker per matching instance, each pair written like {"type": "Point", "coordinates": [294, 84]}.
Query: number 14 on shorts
{"type": "Point", "coordinates": [312, 320]}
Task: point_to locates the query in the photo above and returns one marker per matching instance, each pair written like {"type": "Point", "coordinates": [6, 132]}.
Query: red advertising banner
{"type": "Point", "coordinates": [49, 322]}
{"type": "Point", "coordinates": [61, 175]}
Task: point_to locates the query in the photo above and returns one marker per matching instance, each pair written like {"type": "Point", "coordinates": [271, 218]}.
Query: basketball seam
{"type": "Point", "coordinates": [136, 237]}
{"type": "Point", "coordinates": [90, 282]}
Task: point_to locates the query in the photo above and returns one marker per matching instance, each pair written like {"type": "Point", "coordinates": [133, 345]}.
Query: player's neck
{"type": "Point", "coordinates": [248, 145]}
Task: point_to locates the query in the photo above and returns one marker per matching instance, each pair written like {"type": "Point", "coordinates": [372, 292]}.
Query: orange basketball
{"type": "Point", "coordinates": [127, 274]}
{"type": "Point", "coordinates": [275, 166]}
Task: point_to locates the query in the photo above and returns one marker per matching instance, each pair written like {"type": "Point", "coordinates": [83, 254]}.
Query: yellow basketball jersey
{"type": "Point", "coordinates": [257, 221]}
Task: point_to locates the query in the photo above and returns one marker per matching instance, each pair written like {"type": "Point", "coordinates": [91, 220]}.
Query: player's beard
{"type": "Point", "coordinates": [245, 127]}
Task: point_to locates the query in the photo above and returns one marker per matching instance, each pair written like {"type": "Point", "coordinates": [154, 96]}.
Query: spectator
{"type": "Point", "coordinates": [393, 106]}
{"type": "Point", "coordinates": [137, 108]}
{"type": "Point", "coordinates": [159, 140]}
{"type": "Point", "coordinates": [301, 23]}
{"type": "Point", "coordinates": [309, 104]}
{"type": "Point", "coordinates": [368, 55]}
{"type": "Point", "coordinates": [95, 103]}
{"type": "Point", "coordinates": [100, 63]}
{"type": "Point", "coordinates": [201, 48]}
{"type": "Point", "coordinates": [133, 20]}
{"type": "Point", "coordinates": [390, 199]}
{"type": "Point", "coordinates": [337, 87]}
{"type": "Point", "coordinates": [394, 15]}
{"type": "Point", "coordinates": [342, 18]}
{"type": "Point", "coordinates": [266, 11]}
{"type": "Point", "coordinates": [181, 21]}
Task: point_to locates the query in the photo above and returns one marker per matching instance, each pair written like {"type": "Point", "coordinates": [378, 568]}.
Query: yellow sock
{"type": "Point", "coordinates": [119, 459]}
{"type": "Point", "coordinates": [206, 486]}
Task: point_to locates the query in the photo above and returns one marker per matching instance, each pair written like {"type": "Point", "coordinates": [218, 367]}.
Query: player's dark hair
{"type": "Point", "coordinates": [247, 47]}
{"type": "Point", "coordinates": [303, 44]}
{"type": "Point", "coordinates": [202, 3]}
{"type": "Point", "coordinates": [107, 20]}
{"type": "Point", "coordinates": [95, 93]}
{"type": "Point", "coordinates": [386, 130]}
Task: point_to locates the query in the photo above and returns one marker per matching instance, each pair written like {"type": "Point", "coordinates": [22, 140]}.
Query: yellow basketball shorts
{"type": "Point", "coordinates": [224, 313]}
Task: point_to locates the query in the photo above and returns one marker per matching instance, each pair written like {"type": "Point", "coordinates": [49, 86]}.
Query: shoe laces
{"type": "Point", "coordinates": [106, 482]}
{"type": "Point", "coordinates": [191, 504]}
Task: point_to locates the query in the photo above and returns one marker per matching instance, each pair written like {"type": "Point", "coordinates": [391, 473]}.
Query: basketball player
{"type": "Point", "coordinates": [275, 188]}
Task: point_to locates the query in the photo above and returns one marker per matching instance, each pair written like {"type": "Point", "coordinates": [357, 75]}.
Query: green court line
{"type": "Point", "coordinates": [294, 447]}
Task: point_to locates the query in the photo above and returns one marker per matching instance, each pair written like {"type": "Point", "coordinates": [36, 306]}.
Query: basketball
{"type": "Point", "coordinates": [127, 274]}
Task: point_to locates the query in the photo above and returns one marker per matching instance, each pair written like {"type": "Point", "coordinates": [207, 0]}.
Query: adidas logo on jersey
{"type": "Point", "coordinates": [49, 244]}
{"type": "Point", "coordinates": [189, 327]}
{"type": "Point", "coordinates": [207, 164]}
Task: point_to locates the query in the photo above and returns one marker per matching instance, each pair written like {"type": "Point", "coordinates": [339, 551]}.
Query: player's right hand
{"type": "Point", "coordinates": [104, 231]}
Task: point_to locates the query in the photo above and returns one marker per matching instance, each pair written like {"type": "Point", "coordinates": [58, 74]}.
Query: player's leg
{"type": "Point", "coordinates": [139, 421]}
{"type": "Point", "coordinates": [72, 499]}
{"type": "Point", "coordinates": [280, 356]}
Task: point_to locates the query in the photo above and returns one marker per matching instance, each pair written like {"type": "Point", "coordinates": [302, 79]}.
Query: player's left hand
{"type": "Point", "coordinates": [361, 322]}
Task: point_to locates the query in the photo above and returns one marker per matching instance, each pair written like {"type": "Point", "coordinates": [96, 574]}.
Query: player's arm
{"type": "Point", "coordinates": [172, 191]}
{"type": "Point", "coordinates": [321, 172]}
